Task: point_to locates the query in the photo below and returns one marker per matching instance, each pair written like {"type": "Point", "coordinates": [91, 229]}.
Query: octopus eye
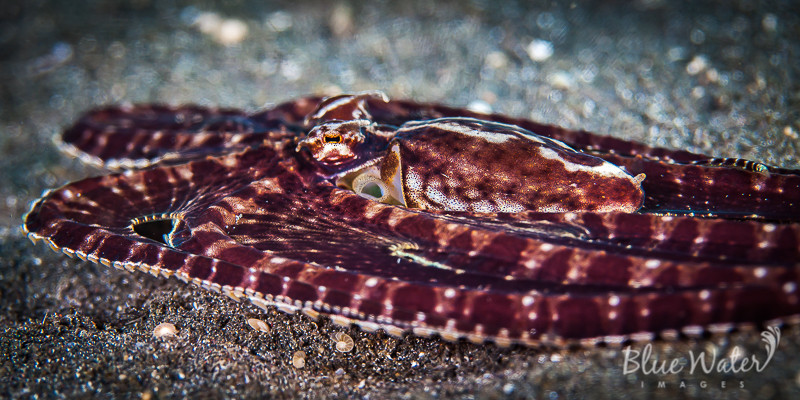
{"type": "Point", "coordinates": [333, 139]}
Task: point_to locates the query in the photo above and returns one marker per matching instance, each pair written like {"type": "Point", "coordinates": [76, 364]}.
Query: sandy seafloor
{"type": "Point", "coordinates": [719, 78]}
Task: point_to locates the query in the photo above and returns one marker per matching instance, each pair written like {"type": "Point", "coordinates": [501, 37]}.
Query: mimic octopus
{"type": "Point", "coordinates": [407, 217]}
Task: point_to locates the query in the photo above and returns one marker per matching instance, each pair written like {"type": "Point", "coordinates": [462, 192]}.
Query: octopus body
{"type": "Point", "coordinates": [466, 164]}
{"type": "Point", "coordinates": [401, 216]}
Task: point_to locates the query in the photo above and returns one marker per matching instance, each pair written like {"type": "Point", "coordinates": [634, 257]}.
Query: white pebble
{"type": "Point", "coordinates": [697, 65]}
{"type": "Point", "coordinates": [164, 329]}
{"type": "Point", "coordinates": [479, 106]}
{"type": "Point", "coordinates": [539, 50]}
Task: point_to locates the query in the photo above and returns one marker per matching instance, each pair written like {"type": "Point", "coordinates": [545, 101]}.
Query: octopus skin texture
{"type": "Point", "coordinates": [407, 217]}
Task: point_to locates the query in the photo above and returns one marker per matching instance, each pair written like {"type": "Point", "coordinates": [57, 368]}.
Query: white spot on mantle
{"type": "Point", "coordinates": [456, 126]}
{"type": "Point", "coordinates": [605, 169]}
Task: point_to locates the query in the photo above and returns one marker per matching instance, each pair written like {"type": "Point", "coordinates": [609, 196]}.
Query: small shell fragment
{"type": "Point", "coordinates": [164, 329]}
{"type": "Point", "coordinates": [344, 342]}
{"type": "Point", "coordinates": [258, 325]}
{"type": "Point", "coordinates": [299, 359]}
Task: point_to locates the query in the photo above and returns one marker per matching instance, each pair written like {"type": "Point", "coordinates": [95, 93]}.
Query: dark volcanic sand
{"type": "Point", "coordinates": [715, 78]}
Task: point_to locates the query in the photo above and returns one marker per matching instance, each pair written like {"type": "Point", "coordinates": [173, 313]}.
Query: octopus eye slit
{"type": "Point", "coordinates": [333, 139]}
{"type": "Point", "coordinates": [155, 229]}
{"type": "Point", "coordinates": [373, 189]}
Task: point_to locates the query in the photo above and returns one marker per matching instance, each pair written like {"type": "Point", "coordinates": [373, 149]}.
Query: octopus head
{"type": "Point", "coordinates": [336, 142]}
{"type": "Point", "coordinates": [344, 107]}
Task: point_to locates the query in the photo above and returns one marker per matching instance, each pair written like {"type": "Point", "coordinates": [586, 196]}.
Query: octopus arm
{"type": "Point", "coordinates": [252, 227]}
{"type": "Point", "coordinates": [138, 136]}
